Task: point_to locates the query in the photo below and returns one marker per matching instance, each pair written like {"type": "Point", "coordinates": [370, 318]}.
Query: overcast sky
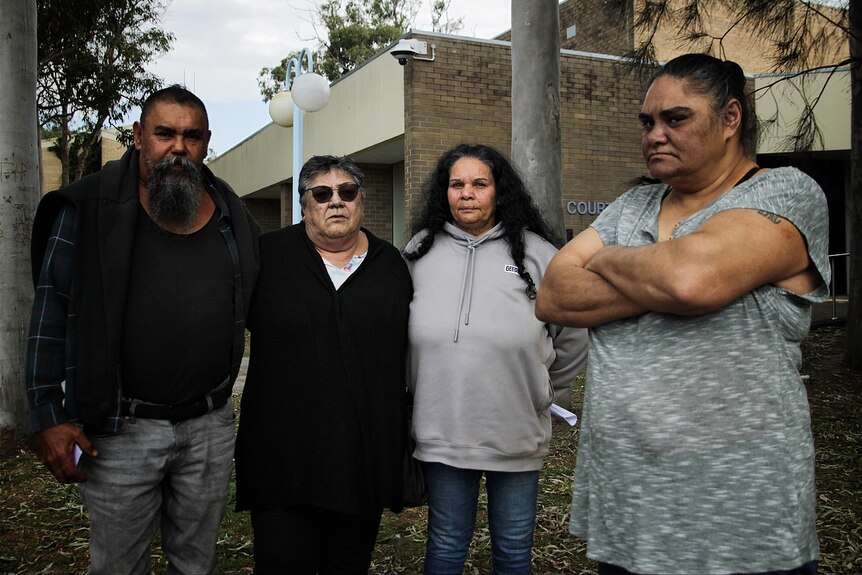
{"type": "Point", "coordinates": [221, 45]}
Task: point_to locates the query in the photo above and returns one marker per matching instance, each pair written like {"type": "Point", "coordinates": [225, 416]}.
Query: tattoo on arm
{"type": "Point", "coordinates": [770, 216]}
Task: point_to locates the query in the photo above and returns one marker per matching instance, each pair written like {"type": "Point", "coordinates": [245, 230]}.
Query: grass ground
{"type": "Point", "coordinates": [43, 529]}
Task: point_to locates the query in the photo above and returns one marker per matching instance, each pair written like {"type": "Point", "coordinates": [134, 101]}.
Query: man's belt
{"type": "Point", "coordinates": [135, 408]}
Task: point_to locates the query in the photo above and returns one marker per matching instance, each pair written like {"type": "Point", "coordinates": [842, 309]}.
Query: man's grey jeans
{"type": "Point", "coordinates": [157, 474]}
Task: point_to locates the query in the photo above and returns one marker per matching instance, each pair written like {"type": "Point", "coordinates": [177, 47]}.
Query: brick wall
{"type": "Point", "coordinates": [265, 212]}
{"type": "Point", "coordinates": [111, 148]}
{"type": "Point", "coordinates": [741, 44]}
{"type": "Point", "coordinates": [52, 170]}
{"type": "Point", "coordinates": [286, 203]}
{"type": "Point", "coordinates": [465, 96]}
{"type": "Point", "coordinates": [606, 27]}
{"type": "Point", "coordinates": [601, 26]}
{"type": "Point", "coordinates": [601, 134]}
{"type": "Point", "coordinates": [378, 200]}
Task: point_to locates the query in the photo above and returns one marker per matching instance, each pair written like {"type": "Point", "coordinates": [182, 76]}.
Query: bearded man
{"type": "Point", "coordinates": [143, 274]}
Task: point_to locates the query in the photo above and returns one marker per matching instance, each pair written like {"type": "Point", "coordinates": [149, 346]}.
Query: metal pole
{"type": "Point", "coordinates": [294, 71]}
{"type": "Point", "coordinates": [832, 282]}
{"type": "Point", "coordinates": [297, 163]}
{"type": "Point", "coordinates": [832, 288]}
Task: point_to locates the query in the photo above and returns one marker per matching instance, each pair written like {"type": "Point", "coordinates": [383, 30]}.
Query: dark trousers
{"type": "Point", "coordinates": [809, 568]}
{"type": "Point", "coordinates": [306, 541]}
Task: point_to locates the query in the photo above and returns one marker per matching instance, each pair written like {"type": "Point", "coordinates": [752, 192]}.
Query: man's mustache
{"type": "Point", "coordinates": [176, 161]}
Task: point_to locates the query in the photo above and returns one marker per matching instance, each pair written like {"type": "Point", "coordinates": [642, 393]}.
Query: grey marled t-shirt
{"type": "Point", "coordinates": [696, 453]}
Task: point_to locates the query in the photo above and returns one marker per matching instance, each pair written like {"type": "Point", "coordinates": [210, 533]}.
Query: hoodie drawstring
{"type": "Point", "coordinates": [470, 243]}
{"type": "Point", "coordinates": [466, 288]}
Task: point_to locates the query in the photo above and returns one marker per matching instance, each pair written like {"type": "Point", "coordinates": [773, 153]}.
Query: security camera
{"type": "Point", "coordinates": [402, 57]}
{"type": "Point", "coordinates": [406, 49]}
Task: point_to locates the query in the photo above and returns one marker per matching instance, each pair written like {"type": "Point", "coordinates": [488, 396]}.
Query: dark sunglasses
{"type": "Point", "coordinates": [322, 194]}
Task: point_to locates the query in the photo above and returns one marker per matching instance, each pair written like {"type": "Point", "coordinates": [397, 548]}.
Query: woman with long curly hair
{"type": "Point", "coordinates": [483, 370]}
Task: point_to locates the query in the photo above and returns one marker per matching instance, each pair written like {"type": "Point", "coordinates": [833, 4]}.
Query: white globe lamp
{"type": "Point", "coordinates": [281, 109]}
{"type": "Point", "coordinates": [310, 91]}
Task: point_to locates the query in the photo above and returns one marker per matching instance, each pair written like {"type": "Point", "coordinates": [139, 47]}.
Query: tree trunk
{"type": "Point", "coordinates": [536, 104]}
{"type": "Point", "coordinates": [19, 191]}
{"type": "Point", "coordinates": [853, 351]}
{"type": "Point", "coordinates": [64, 147]}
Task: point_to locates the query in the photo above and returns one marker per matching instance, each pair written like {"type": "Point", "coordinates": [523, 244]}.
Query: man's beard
{"type": "Point", "coordinates": [174, 186]}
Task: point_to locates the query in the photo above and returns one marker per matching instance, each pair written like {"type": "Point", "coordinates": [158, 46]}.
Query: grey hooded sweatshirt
{"type": "Point", "coordinates": [482, 368]}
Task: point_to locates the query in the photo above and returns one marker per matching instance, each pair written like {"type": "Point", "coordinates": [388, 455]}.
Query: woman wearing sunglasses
{"type": "Point", "coordinates": [320, 444]}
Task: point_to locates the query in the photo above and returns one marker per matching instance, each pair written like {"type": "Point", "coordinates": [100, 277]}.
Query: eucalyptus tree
{"type": "Point", "coordinates": [91, 61]}
{"type": "Point", "coordinates": [349, 32]}
{"type": "Point", "coordinates": [536, 143]}
{"type": "Point", "coordinates": [19, 191]}
{"type": "Point", "coordinates": [440, 19]}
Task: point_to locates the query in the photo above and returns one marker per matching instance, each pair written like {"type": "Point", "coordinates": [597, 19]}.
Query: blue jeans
{"type": "Point", "coordinates": [153, 474]}
{"type": "Point", "coordinates": [453, 495]}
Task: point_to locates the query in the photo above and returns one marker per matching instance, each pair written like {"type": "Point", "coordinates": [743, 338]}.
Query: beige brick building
{"type": "Point", "coordinates": [397, 120]}
{"type": "Point", "coordinates": [111, 149]}
{"type": "Point", "coordinates": [465, 96]}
